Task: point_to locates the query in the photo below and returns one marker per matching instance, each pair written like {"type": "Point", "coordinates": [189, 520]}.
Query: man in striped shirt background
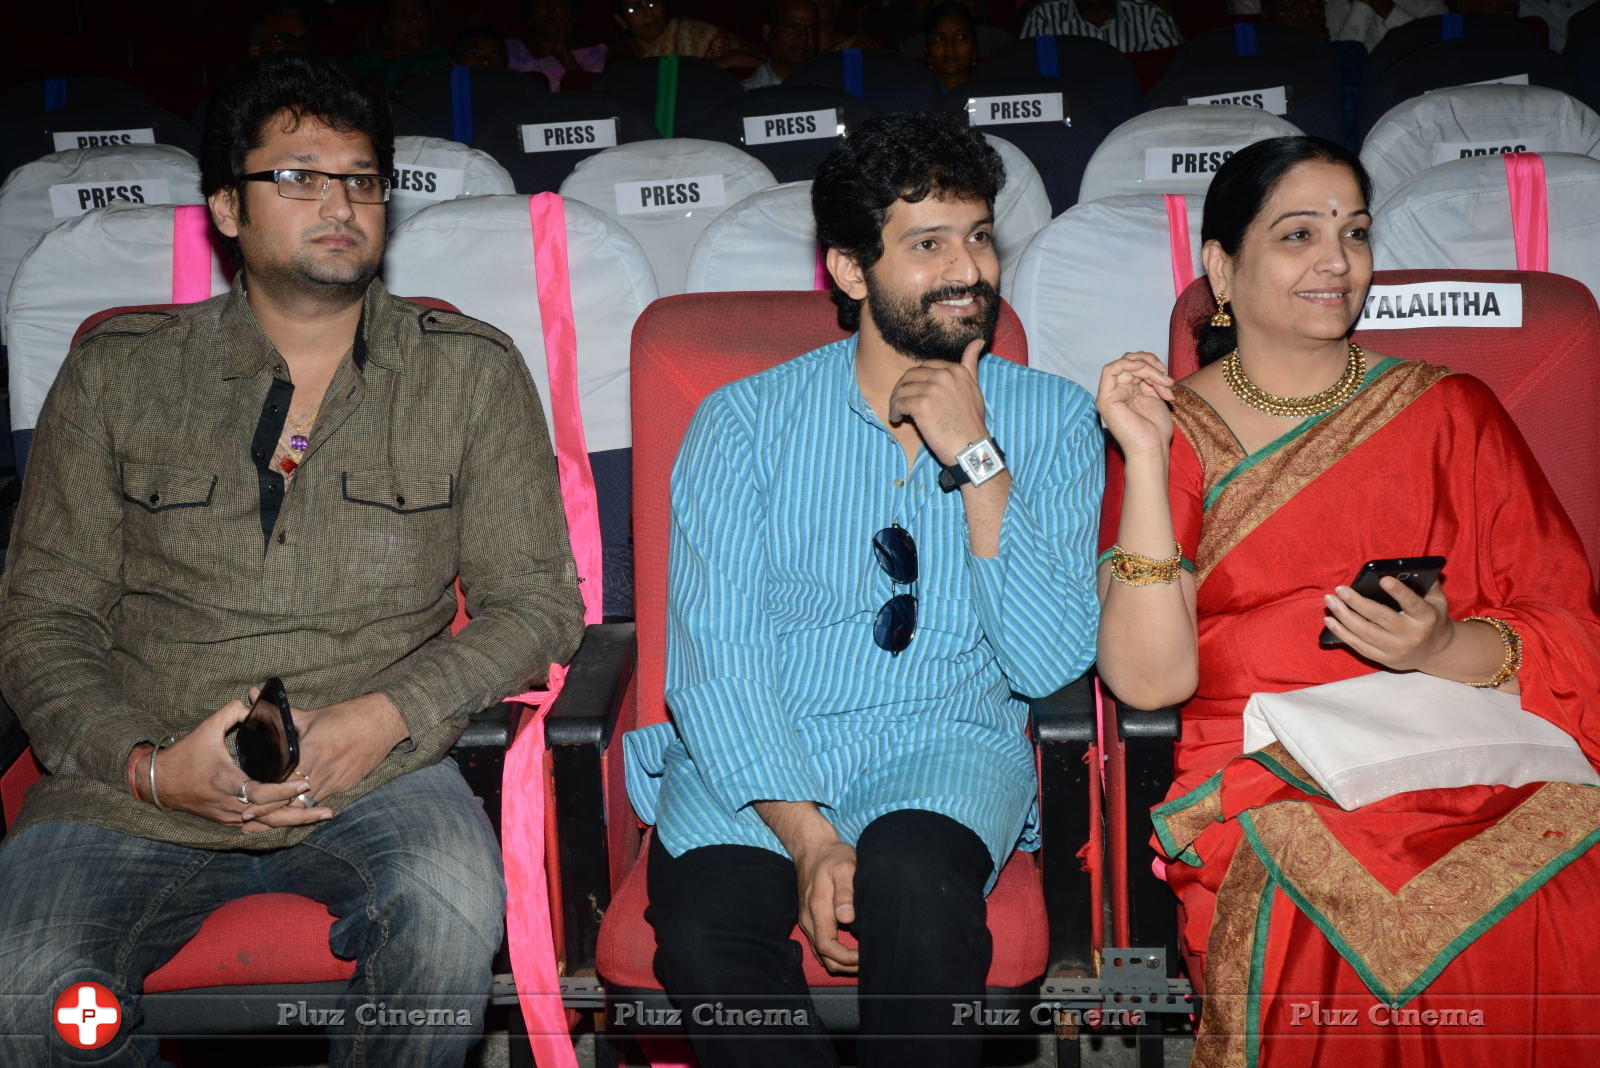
{"type": "Point", "coordinates": [1127, 25]}
{"type": "Point", "coordinates": [875, 547]}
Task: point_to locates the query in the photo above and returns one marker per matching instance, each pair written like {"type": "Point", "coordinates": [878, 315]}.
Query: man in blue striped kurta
{"type": "Point", "coordinates": [847, 631]}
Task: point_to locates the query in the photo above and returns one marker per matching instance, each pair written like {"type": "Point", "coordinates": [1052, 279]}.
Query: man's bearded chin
{"type": "Point", "coordinates": [911, 328]}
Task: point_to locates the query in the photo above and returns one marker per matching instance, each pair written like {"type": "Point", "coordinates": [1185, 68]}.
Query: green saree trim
{"type": "Point", "coordinates": [1395, 999]}
{"type": "Point", "coordinates": [1161, 816]}
{"type": "Point", "coordinates": [1372, 375]}
{"type": "Point", "coordinates": [1258, 967]}
{"type": "Point", "coordinates": [1266, 759]}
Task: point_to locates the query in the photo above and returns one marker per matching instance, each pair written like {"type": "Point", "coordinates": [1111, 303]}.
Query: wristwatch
{"type": "Point", "coordinates": [977, 464]}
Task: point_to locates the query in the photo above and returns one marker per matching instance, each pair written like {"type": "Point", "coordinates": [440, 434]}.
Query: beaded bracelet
{"type": "Point", "coordinates": [1131, 569]}
{"type": "Point", "coordinates": [1513, 644]}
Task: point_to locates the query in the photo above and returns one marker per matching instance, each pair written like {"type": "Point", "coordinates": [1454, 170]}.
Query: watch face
{"type": "Point", "coordinates": [981, 462]}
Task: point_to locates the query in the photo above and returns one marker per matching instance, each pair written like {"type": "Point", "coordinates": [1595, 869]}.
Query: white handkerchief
{"type": "Point", "coordinates": [1386, 733]}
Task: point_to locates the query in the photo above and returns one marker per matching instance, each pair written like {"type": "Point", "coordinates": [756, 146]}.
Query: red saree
{"type": "Point", "coordinates": [1440, 927]}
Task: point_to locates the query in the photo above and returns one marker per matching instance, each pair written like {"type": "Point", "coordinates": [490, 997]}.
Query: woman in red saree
{"type": "Point", "coordinates": [1435, 927]}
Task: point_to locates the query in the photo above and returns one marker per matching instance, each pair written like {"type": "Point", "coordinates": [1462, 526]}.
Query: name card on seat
{"type": "Point", "coordinates": [793, 126]}
{"type": "Point", "coordinates": [1022, 107]}
{"type": "Point", "coordinates": [68, 201]}
{"type": "Point", "coordinates": [1420, 304]}
{"type": "Point", "coordinates": [428, 183]}
{"type": "Point", "coordinates": [1164, 164]}
{"type": "Point", "coordinates": [1445, 151]}
{"type": "Point", "coordinates": [1274, 100]}
{"type": "Point", "coordinates": [66, 140]}
{"type": "Point", "coordinates": [569, 136]}
{"type": "Point", "coordinates": [674, 194]}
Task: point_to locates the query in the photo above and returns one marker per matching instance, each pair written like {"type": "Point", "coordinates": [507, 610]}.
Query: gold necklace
{"type": "Point", "coordinates": [1296, 407]}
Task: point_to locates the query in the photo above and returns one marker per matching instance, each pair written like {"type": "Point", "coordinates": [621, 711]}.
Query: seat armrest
{"type": "Point", "coordinates": [1136, 725]}
{"type": "Point", "coordinates": [1066, 715]}
{"type": "Point", "coordinates": [13, 741]}
{"type": "Point", "coordinates": [1064, 725]}
{"type": "Point", "coordinates": [578, 731]}
{"type": "Point", "coordinates": [586, 712]}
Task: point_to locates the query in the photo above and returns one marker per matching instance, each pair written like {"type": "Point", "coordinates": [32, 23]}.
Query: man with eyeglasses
{"type": "Point", "coordinates": [280, 483]}
{"type": "Point", "coordinates": [875, 546]}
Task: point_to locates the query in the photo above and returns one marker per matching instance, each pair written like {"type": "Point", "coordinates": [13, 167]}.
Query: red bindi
{"type": "Point", "coordinates": [1335, 213]}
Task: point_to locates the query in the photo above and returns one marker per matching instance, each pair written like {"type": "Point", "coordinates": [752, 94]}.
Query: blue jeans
{"type": "Point", "coordinates": [411, 871]}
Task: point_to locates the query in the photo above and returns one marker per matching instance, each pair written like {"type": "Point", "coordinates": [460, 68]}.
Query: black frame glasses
{"type": "Point", "coordinates": [373, 188]}
{"type": "Point", "coordinates": [896, 621]}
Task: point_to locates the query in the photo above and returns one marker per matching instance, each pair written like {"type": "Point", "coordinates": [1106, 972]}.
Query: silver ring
{"type": "Point", "coordinates": [306, 799]}
{"type": "Point", "coordinates": [243, 795]}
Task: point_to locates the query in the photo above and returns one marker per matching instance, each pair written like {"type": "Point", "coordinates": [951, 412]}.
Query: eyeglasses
{"type": "Point", "coordinates": [896, 621]}
{"type": "Point", "coordinates": [314, 185]}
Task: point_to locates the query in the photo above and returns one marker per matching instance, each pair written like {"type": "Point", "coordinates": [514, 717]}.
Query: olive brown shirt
{"type": "Point", "coordinates": [160, 566]}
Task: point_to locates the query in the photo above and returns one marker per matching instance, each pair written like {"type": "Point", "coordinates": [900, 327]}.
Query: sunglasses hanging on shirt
{"type": "Point", "coordinates": [896, 621]}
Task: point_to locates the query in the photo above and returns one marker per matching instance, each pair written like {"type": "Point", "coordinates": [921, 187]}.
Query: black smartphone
{"type": "Point", "coordinates": [269, 744]}
{"type": "Point", "coordinates": [1419, 573]}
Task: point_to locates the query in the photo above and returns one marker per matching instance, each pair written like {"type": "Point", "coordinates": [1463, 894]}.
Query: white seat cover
{"type": "Point", "coordinates": [1097, 282]}
{"type": "Point", "coordinates": [768, 239]}
{"type": "Point", "coordinates": [108, 258]}
{"type": "Point", "coordinates": [1459, 215]}
{"type": "Point", "coordinates": [1474, 120]}
{"type": "Point", "coordinates": [64, 185]}
{"type": "Point", "coordinates": [1174, 150]}
{"type": "Point", "coordinates": [665, 193]}
{"type": "Point", "coordinates": [428, 170]}
{"type": "Point", "coordinates": [1023, 207]}
{"type": "Point", "coordinates": [477, 253]}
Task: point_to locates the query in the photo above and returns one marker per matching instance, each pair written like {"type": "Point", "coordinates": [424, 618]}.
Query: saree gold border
{"type": "Point", "coordinates": [1252, 497]}
{"type": "Point", "coordinates": [1399, 942]}
{"type": "Point", "coordinates": [1224, 1039]}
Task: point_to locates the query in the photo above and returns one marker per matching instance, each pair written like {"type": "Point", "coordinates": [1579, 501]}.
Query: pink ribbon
{"type": "Point", "coordinates": [820, 280]}
{"type": "Point", "coordinates": [191, 254]}
{"type": "Point", "coordinates": [1178, 237]}
{"type": "Point", "coordinates": [548, 216]}
{"type": "Point", "coordinates": [1530, 217]}
{"type": "Point", "coordinates": [529, 925]}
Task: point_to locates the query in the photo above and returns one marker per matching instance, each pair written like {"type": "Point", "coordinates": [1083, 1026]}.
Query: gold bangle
{"type": "Point", "coordinates": [1513, 644]}
{"type": "Point", "coordinates": [1131, 569]}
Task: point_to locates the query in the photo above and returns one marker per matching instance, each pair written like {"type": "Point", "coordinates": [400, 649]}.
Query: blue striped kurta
{"type": "Point", "coordinates": [776, 688]}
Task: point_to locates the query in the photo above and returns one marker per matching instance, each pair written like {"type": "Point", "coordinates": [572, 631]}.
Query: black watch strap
{"type": "Point", "coordinates": [955, 476]}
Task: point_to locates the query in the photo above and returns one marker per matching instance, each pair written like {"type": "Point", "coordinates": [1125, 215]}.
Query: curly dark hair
{"type": "Point", "coordinates": [308, 86]}
{"type": "Point", "coordinates": [895, 157]}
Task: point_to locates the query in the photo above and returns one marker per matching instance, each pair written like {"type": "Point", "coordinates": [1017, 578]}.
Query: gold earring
{"type": "Point", "coordinates": [1222, 318]}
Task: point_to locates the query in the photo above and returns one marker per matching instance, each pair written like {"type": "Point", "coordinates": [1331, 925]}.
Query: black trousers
{"type": "Point", "coordinates": [723, 915]}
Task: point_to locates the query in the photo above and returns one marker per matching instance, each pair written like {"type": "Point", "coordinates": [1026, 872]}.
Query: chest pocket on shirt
{"type": "Point", "coordinates": [168, 523]}
{"type": "Point", "coordinates": [400, 529]}
{"type": "Point", "coordinates": [401, 493]}
{"type": "Point", "coordinates": [160, 487]}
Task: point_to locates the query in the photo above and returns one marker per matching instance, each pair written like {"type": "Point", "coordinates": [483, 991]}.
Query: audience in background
{"type": "Point", "coordinates": [281, 30]}
{"type": "Point", "coordinates": [478, 46]}
{"type": "Point", "coordinates": [988, 39]}
{"type": "Point", "coordinates": [648, 33]}
{"type": "Point", "coordinates": [407, 47]}
{"type": "Point", "coordinates": [790, 32]}
{"type": "Point", "coordinates": [1553, 13]}
{"type": "Point", "coordinates": [1368, 20]}
{"type": "Point", "coordinates": [1127, 25]}
{"type": "Point", "coordinates": [1308, 15]}
{"type": "Point", "coordinates": [549, 46]}
{"type": "Point", "coordinates": [952, 44]}
{"type": "Point", "coordinates": [834, 32]}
